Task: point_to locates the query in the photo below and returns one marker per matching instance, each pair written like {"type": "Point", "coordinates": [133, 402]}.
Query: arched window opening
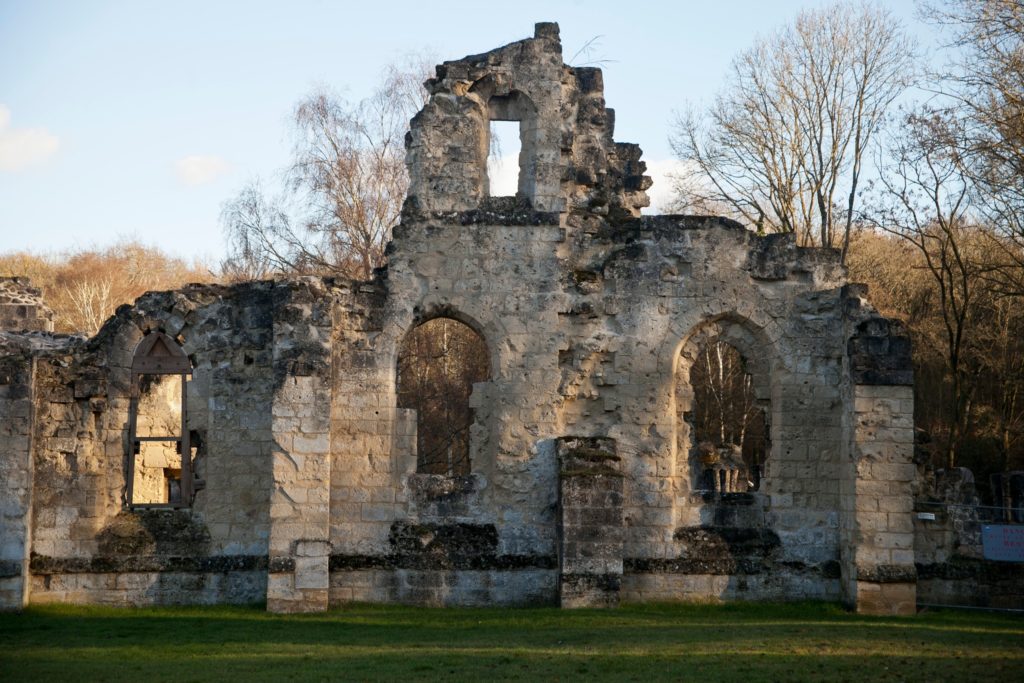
{"type": "Point", "coordinates": [503, 158]}
{"type": "Point", "coordinates": [438, 364]}
{"type": "Point", "coordinates": [160, 467]}
{"type": "Point", "coordinates": [729, 428]}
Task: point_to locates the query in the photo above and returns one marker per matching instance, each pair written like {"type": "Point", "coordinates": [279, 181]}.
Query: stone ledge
{"type": "Point", "coordinates": [341, 563]}
{"type": "Point", "coordinates": [887, 573]}
{"type": "Point", "coordinates": [280, 564]}
{"type": "Point", "coordinates": [498, 215]}
{"type": "Point", "coordinates": [43, 564]}
{"type": "Point", "coordinates": [959, 568]}
{"type": "Point", "coordinates": [724, 567]}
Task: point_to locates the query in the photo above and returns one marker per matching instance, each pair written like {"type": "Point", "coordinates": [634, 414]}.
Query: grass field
{"type": "Point", "coordinates": [740, 642]}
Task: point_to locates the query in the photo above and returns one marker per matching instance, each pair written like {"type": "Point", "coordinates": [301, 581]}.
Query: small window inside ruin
{"type": "Point", "coordinates": [503, 161]}
{"type": "Point", "coordinates": [513, 143]}
{"type": "Point", "coordinates": [160, 463]}
{"type": "Point", "coordinates": [729, 427]}
{"type": "Point", "coordinates": [438, 364]}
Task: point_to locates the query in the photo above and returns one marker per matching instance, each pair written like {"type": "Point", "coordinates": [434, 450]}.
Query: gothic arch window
{"type": "Point", "coordinates": [160, 468]}
{"type": "Point", "coordinates": [438, 363]}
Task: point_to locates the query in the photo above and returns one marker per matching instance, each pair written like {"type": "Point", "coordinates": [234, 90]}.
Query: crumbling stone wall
{"type": "Point", "coordinates": [86, 545]}
{"type": "Point", "coordinates": [22, 308]}
{"type": "Point", "coordinates": [951, 565]}
{"type": "Point", "coordinates": [16, 394]}
{"type": "Point", "coordinates": [569, 160]}
{"type": "Point", "coordinates": [582, 488]}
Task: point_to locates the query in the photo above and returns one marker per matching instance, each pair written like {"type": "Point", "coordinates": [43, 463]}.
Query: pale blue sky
{"type": "Point", "coordinates": [141, 118]}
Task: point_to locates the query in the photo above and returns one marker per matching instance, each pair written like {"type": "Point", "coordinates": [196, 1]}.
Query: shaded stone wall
{"type": "Point", "coordinates": [300, 493]}
{"type": "Point", "coordinates": [950, 561]}
{"type": "Point", "coordinates": [16, 383]}
{"type": "Point", "coordinates": [591, 530]}
{"type": "Point", "coordinates": [879, 575]}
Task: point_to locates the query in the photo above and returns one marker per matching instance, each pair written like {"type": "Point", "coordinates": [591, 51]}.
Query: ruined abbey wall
{"type": "Point", "coordinates": [585, 484]}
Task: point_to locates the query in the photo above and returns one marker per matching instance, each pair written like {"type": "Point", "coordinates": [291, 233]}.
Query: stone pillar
{"type": "Point", "coordinates": [300, 499]}
{"type": "Point", "coordinates": [878, 571]}
{"type": "Point", "coordinates": [15, 480]}
{"type": "Point", "coordinates": [590, 522]}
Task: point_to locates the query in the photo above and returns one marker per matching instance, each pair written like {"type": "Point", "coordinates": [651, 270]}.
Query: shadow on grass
{"type": "Point", "coordinates": [734, 642]}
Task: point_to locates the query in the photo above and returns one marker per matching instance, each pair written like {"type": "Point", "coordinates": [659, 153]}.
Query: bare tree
{"type": "Point", "coordinates": [990, 354]}
{"type": "Point", "coordinates": [926, 200]}
{"type": "Point", "coordinates": [985, 85]}
{"type": "Point", "coordinates": [343, 191]}
{"type": "Point", "coordinates": [260, 237]}
{"type": "Point", "coordinates": [725, 408]}
{"type": "Point", "coordinates": [783, 144]}
{"type": "Point", "coordinates": [438, 363]}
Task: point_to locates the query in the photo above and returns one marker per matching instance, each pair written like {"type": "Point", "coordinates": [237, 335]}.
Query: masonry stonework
{"type": "Point", "coordinates": [584, 486]}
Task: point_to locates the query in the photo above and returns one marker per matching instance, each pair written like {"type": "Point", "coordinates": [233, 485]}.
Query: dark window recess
{"type": "Point", "coordinates": [438, 364]}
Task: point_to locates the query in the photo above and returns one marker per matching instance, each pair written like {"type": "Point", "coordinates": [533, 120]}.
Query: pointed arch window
{"type": "Point", "coordinates": [160, 467]}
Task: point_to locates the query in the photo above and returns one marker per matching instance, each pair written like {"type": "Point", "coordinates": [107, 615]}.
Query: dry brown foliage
{"type": "Point", "coordinates": [988, 364]}
{"type": "Point", "coordinates": [84, 287]}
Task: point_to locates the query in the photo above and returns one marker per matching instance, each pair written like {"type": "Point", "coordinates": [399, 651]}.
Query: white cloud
{"type": "Point", "coordinates": [199, 169]}
{"type": "Point", "coordinates": [23, 147]}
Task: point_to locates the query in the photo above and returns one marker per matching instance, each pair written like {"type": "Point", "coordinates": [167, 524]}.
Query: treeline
{"type": "Point", "coordinates": [968, 346]}
{"type": "Point", "coordinates": [838, 129]}
{"type": "Point", "coordinates": [85, 286]}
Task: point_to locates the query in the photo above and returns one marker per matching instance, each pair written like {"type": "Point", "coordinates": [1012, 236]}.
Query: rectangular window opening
{"type": "Point", "coordinates": [503, 159]}
{"type": "Point", "coordinates": [155, 430]}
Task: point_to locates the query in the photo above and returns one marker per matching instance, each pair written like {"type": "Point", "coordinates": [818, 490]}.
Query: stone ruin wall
{"type": "Point", "coordinates": [22, 308]}
{"type": "Point", "coordinates": [951, 567]}
{"type": "Point", "coordinates": [583, 487]}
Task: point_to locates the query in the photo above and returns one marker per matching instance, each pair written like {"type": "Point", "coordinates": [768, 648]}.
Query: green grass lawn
{"type": "Point", "coordinates": [740, 642]}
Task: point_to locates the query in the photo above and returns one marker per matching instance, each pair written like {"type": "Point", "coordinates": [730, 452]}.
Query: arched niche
{"type": "Point", "coordinates": [439, 361]}
{"type": "Point", "coordinates": [722, 403]}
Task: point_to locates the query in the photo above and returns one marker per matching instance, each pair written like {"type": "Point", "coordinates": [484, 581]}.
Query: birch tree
{"type": "Point", "coordinates": [341, 194]}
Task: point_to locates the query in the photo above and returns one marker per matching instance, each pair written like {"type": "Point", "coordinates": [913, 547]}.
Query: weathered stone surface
{"type": "Point", "coordinates": [591, 526]}
{"type": "Point", "coordinates": [22, 308]}
{"type": "Point", "coordinates": [950, 563]}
